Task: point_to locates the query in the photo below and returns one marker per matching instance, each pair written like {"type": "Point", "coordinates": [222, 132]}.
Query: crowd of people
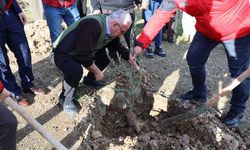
{"type": "Point", "coordinates": [84, 44]}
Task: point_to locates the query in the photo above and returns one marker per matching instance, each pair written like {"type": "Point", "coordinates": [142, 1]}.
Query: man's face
{"type": "Point", "coordinates": [117, 29]}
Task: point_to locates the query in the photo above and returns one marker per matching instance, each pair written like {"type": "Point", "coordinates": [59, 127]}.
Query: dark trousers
{"type": "Point", "coordinates": [12, 33]}
{"type": "Point", "coordinates": [147, 14]}
{"type": "Point", "coordinates": [238, 58]}
{"type": "Point", "coordinates": [8, 126]}
{"type": "Point", "coordinates": [73, 71]}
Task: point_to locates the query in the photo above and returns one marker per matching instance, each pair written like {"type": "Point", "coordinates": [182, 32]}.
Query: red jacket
{"type": "Point", "coordinates": [8, 4]}
{"type": "Point", "coordinates": [5, 5]}
{"type": "Point", "coordinates": [217, 19]}
{"type": "Point", "coordinates": [1, 87]}
{"type": "Point", "coordinates": [59, 3]}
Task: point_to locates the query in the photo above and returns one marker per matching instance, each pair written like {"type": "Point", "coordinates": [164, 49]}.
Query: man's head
{"type": "Point", "coordinates": [119, 22]}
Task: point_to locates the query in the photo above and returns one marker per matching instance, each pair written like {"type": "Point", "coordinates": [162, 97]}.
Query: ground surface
{"type": "Point", "coordinates": [102, 124]}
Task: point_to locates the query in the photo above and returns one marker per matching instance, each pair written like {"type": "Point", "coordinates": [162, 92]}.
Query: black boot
{"type": "Point", "coordinates": [194, 96]}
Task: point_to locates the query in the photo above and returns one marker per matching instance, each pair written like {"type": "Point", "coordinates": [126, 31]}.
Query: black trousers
{"type": "Point", "coordinates": [73, 71]}
{"type": "Point", "coordinates": [8, 126]}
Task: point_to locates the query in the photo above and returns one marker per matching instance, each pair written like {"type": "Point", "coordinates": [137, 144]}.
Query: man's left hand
{"type": "Point", "coordinates": [132, 61]}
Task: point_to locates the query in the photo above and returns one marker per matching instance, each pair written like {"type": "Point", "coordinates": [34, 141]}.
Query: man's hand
{"type": "Point", "coordinates": [96, 12]}
{"type": "Point", "coordinates": [132, 61]}
{"type": "Point", "coordinates": [137, 51]}
{"type": "Point", "coordinates": [99, 75]}
{"type": "Point", "coordinates": [96, 71]}
{"type": "Point", "coordinates": [23, 18]}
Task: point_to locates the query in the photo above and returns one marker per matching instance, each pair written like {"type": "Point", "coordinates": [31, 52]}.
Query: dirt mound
{"type": "Point", "coordinates": [114, 130]}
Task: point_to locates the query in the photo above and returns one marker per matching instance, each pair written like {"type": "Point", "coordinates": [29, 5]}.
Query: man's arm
{"type": "Point", "coordinates": [157, 21]}
{"type": "Point", "coordinates": [87, 35]}
{"type": "Point", "coordinates": [116, 45]}
{"type": "Point", "coordinates": [95, 6]}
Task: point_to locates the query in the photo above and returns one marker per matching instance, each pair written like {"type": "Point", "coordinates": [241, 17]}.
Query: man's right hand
{"type": "Point", "coordinates": [96, 71]}
{"type": "Point", "coordinates": [99, 76]}
{"type": "Point", "coordinates": [137, 51]}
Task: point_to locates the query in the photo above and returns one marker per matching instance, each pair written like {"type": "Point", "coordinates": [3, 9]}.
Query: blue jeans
{"type": "Point", "coordinates": [12, 33]}
{"type": "Point", "coordinates": [152, 7]}
{"type": "Point", "coordinates": [238, 57]}
{"type": "Point", "coordinates": [54, 18]}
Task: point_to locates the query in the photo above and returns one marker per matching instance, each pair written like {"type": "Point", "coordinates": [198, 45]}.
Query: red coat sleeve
{"type": "Point", "coordinates": [8, 4]}
{"type": "Point", "coordinates": [154, 25]}
{"type": "Point", "coordinates": [1, 87]}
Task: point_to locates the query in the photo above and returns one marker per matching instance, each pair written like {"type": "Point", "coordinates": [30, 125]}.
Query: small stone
{"type": "Point", "coordinates": [144, 138]}
{"type": "Point", "coordinates": [96, 134]}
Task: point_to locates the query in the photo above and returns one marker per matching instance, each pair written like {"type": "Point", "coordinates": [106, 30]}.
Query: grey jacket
{"type": "Point", "coordinates": [114, 4]}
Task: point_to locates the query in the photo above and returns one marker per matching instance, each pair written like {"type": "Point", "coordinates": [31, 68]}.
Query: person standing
{"type": "Point", "coordinates": [147, 13]}
{"type": "Point", "coordinates": [57, 10]}
{"type": "Point", "coordinates": [12, 21]}
{"type": "Point", "coordinates": [218, 22]}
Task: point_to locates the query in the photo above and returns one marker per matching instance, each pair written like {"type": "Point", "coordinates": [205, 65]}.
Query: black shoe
{"type": "Point", "coordinates": [159, 51]}
{"type": "Point", "coordinates": [171, 40]}
{"type": "Point", "coordinates": [93, 83]}
{"type": "Point", "coordinates": [192, 96]}
{"type": "Point", "coordinates": [232, 120]}
{"type": "Point", "coordinates": [149, 53]}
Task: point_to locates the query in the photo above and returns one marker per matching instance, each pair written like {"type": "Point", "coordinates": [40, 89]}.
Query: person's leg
{"type": "Point", "coordinates": [54, 21]}
{"type": "Point", "coordinates": [6, 75]}
{"type": "Point", "coordinates": [82, 7]}
{"type": "Point", "coordinates": [71, 15]}
{"type": "Point", "coordinates": [238, 55]}
{"type": "Point", "coordinates": [158, 48]}
{"type": "Point", "coordinates": [170, 31]}
{"type": "Point", "coordinates": [149, 53]}
{"type": "Point", "coordinates": [197, 56]}
{"type": "Point", "coordinates": [8, 127]}
{"type": "Point", "coordinates": [158, 38]}
{"type": "Point", "coordinates": [18, 44]}
{"type": "Point", "coordinates": [72, 72]}
{"type": "Point", "coordinates": [127, 35]}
